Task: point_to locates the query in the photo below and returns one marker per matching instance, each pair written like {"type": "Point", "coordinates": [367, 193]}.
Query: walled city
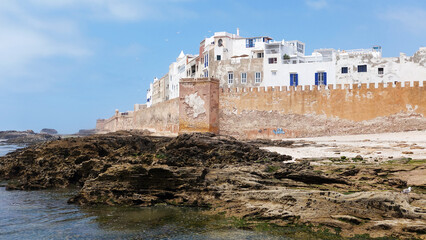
{"type": "Point", "coordinates": [260, 88]}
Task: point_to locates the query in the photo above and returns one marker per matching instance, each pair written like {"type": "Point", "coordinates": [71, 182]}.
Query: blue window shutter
{"type": "Point", "coordinates": [291, 79]}
{"type": "Point", "coordinates": [316, 79]}
{"type": "Point", "coordinates": [325, 78]}
{"type": "Point", "coordinates": [297, 79]}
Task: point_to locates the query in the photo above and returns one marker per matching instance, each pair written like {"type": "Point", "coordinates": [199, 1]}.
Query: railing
{"type": "Point", "coordinates": [272, 51]}
{"type": "Point", "coordinates": [358, 51]}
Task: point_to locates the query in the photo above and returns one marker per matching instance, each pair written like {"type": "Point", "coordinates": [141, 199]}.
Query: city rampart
{"type": "Point", "coordinates": [279, 112]}
{"type": "Point", "coordinates": [161, 117]}
{"type": "Point", "coordinates": [120, 121]}
{"type": "Point", "coordinates": [199, 105]}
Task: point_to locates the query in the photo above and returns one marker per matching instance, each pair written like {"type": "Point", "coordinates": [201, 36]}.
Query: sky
{"type": "Point", "coordinates": [66, 63]}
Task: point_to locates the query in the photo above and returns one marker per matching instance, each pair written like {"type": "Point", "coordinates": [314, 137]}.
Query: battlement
{"type": "Point", "coordinates": [281, 111]}
{"type": "Point", "coordinates": [299, 88]}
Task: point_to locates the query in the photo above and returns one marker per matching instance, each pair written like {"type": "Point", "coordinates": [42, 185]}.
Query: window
{"type": "Point", "coordinates": [257, 77]}
{"type": "Point", "coordinates": [230, 77]}
{"type": "Point", "coordinates": [299, 47]}
{"type": "Point", "coordinates": [220, 43]}
{"type": "Point", "coordinates": [218, 57]}
{"type": "Point", "coordinates": [274, 73]}
{"type": "Point", "coordinates": [344, 69]}
{"type": "Point", "coordinates": [181, 68]}
{"type": "Point", "coordinates": [381, 71]}
{"type": "Point", "coordinates": [243, 78]}
{"type": "Point", "coordinates": [272, 60]}
{"type": "Point", "coordinates": [362, 68]}
{"type": "Point", "coordinates": [294, 79]}
{"type": "Point", "coordinates": [260, 55]}
{"type": "Point", "coordinates": [250, 43]}
{"type": "Point", "coordinates": [206, 60]}
{"type": "Point", "coordinates": [320, 78]}
{"type": "Point", "coordinates": [206, 74]}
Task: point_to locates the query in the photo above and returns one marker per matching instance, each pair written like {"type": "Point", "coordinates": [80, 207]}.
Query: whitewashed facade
{"type": "Point", "coordinates": [285, 64]}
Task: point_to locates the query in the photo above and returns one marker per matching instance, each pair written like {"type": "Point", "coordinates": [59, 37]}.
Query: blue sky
{"type": "Point", "coordinates": [65, 63]}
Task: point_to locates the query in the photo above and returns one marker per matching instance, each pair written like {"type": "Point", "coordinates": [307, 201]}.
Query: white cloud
{"type": "Point", "coordinates": [36, 33]}
{"type": "Point", "coordinates": [27, 38]}
{"type": "Point", "coordinates": [411, 19]}
{"type": "Point", "coordinates": [121, 10]}
{"type": "Point", "coordinates": [316, 4]}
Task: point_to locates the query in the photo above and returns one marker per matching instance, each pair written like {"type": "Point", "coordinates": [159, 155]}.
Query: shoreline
{"type": "Point", "coordinates": [372, 147]}
{"type": "Point", "coordinates": [230, 176]}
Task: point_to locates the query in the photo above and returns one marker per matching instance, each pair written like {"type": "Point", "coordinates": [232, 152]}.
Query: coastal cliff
{"type": "Point", "coordinates": [226, 175]}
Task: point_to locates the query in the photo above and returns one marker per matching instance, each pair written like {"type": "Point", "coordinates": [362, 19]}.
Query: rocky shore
{"type": "Point", "coordinates": [26, 137]}
{"type": "Point", "coordinates": [228, 176]}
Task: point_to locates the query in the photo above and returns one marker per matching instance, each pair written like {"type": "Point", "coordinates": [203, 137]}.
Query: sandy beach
{"type": "Point", "coordinates": [372, 147]}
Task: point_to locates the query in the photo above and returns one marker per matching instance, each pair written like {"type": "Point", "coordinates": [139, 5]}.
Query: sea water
{"type": "Point", "coordinates": [45, 214]}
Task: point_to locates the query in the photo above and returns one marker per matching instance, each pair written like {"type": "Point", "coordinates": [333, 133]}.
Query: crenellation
{"type": "Point", "coordinates": [397, 85]}
{"type": "Point", "coordinates": [280, 107]}
{"type": "Point", "coordinates": [264, 62]}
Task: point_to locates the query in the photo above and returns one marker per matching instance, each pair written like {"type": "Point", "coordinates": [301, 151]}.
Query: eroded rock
{"type": "Point", "coordinates": [130, 168]}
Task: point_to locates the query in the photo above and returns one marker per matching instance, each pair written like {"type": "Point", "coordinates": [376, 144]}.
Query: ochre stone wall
{"type": "Point", "coordinates": [199, 105]}
{"type": "Point", "coordinates": [116, 123]}
{"type": "Point", "coordinates": [280, 113]}
{"type": "Point", "coordinates": [161, 117]}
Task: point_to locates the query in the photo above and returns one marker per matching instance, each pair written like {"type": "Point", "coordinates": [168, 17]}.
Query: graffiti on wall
{"type": "Point", "coordinates": [278, 131]}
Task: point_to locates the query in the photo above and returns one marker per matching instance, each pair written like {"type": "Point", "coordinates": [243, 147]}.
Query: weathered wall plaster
{"type": "Point", "coordinates": [281, 112]}
{"type": "Point", "coordinates": [289, 112]}
{"type": "Point", "coordinates": [199, 105]}
{"type": "Point", "coordinates": [195, 102]}
{"type": "Point", "coordinates": [161, 117]}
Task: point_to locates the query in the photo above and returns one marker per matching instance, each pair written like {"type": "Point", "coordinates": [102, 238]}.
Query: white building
{"type": "Point", "coordinates": [178, 70]}
{"type": "Point", "coordinates": [149, 95]}
{"type": "Point", "coordinates": [259, 61]}
{"type": "Point", "coordinates": [368, 66]}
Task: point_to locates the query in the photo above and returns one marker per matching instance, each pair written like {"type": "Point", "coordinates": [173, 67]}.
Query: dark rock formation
{"type": "Point", "coordinates": [48, 131]}
{"type": "Point", "coordinates": [86, 132]}
{"type": "Point", "coordinates": [131, 168]}
{"type": "Point", "coordinates": [25, 137]}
